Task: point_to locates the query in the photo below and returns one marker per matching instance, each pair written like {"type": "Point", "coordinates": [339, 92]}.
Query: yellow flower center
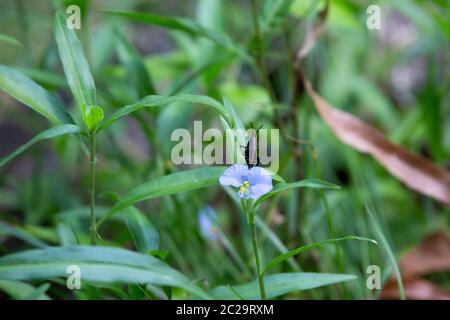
{"type": "Point", "coordinates": [244, 187]}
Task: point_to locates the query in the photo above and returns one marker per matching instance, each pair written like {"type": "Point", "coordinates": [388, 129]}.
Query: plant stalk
{"type": "Point", "coordinates": [251, 220]}
{"type": "Point", "coordinates": [261, 53]}
{"type": "Point", "coordinates": [92, 188]}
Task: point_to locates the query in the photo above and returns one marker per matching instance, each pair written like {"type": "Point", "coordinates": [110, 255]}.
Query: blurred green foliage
{"type": "Point", "coordinates": [395, 78]}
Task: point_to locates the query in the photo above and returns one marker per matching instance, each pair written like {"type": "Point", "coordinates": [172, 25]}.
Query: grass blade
{"type": "Point", "coordinates": [143, 232]}
{"type": "Point", "coordinates": [308, 183]}
{"type": "Point", "coordinates": [44, 135]}
{"type": "Point", "coordinates": [385, 244]}
{"type": "Point", "coordinates": [22, 235]}
{"type": "Point", "coordinates": [158, 101]}
{"type": "Point", "coordinates": [8, 39]}
{"type": "Point", "coordinates": [301, 249]}
{"type": "Point", "coordinates": [279, 284]}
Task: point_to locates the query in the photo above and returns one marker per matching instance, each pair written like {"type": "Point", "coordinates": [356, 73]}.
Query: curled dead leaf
{"type": "Point", "coordinates": [313, 34]}
{"type": "Point", "coordinates": [431, 255]}
{"type": "Point", "coordinates": [415, 171]}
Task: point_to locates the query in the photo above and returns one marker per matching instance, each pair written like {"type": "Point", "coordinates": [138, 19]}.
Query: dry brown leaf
{"type": "Point", "coordinates": [415, 289]}
{"type": "Point", "coordinates": [415, 171]}
{"type": "Point", "coordinates": [431, 255]}
{"type": "Point", "coordinates": [313, 35]}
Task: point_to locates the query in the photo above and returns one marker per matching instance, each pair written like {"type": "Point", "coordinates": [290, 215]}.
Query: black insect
{"type": "Point", "coordinates": [251, 149]}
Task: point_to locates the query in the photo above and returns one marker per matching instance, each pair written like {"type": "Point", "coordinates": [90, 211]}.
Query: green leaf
{"type": "Point", "coordinates": [74, 62]}
{"type": "Point", "coordinates": [160, 254]}
{"type": "Point", "coordinates": [92, 115]}
{"type": "Point", "coordinates": [299, 250]}
{"type": "Point", "coordinates": [233, 148]}
{"type": "Point", "coordinates": [279, 284]}
{"type": "Point", "coordinates": [188, 78]}
{"type": "Point", "coordinates": [38, 293]}
{"type": "Point", "coordinates": [276, 177]}
{"type": "Point", "coordinates": [158, 101]}
{"type": "Point", "coordinates": [186, 25]}
{"type": "Point", "coordinates": [234, 128]}
{"type": "Point", "coordinates": [308, 183]}
{"type": "Point", "coordinates": [8, 39]}
{"type": "Point", "coordinates": [166, 185]}
{"type": "Point", "coordinates": [20, 290]}
{"type": "Point", "coordinates": [44, 135]}
{"type": "Point", "coordinates": [274, 10]}
{"type": "Point", "coordinates": [18, 233]}
{"type": "Point", "coordinates": [143, 232]}
{"type": "Point", "coordinates": [22, 88]}
{"type": "Point", "coordinates": [137, 74]}
{"type": "Point", "coordinates": [48, 79]}
{"type": "Point", "coordinates": [233, 118]}
{"type": "Point", "coordinates": [97, 265]}
{"type": "Point", "coordinates": [385, 244]}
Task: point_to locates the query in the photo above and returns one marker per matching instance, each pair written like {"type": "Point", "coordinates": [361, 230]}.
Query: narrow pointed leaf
{"type": "Point", "coordinates": [22, 88]}
{"type": "Point", "coordinates": [38, 293]}
{"type": "Point", "coordinates": [19, 290]}
{"type": "Point", "coordinates": [308, 183]}
{"type": "Point", "coordinates": [158, 101]}
{"type": "Point", "coordinates": [44, 135]}
{"type": "Point", "coordinates": [8, 39]}
{"type": "Point", "coordinates": [48, 79]}
{"type": "Point", "coordinates": [143, 232]}
{"type": "Point", "coordinates": [279, 284]}
{"type": "Point", "coordinates": [387, 247]}
{"type": "Point", "coordinates": [18, 233]}
{"type": "Point", "coordinates": [166, 185]}
{"type": "Point", "coordinates": [301, 249]}
{"type": "Point", "coordinates": [74, 62]}
{"type": "Point", "coordinates": [97, 265]}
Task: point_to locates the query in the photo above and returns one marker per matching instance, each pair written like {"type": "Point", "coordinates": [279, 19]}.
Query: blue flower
{"type": "Point", "coordinates": [206, 220]}
{"type": "Point", "coordinates": [252, 183]}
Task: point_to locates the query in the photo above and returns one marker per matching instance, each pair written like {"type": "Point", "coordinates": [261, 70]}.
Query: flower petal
{"type": "Point", "coordinates": [234, 175]}
{"type": "Point", "coordinates": [259, 175]}
{"type": "Point", "coordinates": [206, 219]}
{"type": "Point", "coordinates": [257, 191]}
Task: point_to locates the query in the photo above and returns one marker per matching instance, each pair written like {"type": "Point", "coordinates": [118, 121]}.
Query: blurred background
{"type": "Point", "coordinates": [395, 79]}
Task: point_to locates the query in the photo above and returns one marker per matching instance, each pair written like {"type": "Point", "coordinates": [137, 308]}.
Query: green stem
{"type": "Point", "coordinates": [329, 217]}
{"type": "Point", "coordinates": [251, 221]}
{"type": "Point", "coordinates": [261, 53]}
{"type": "Point", "coordinates": [92, 188]}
